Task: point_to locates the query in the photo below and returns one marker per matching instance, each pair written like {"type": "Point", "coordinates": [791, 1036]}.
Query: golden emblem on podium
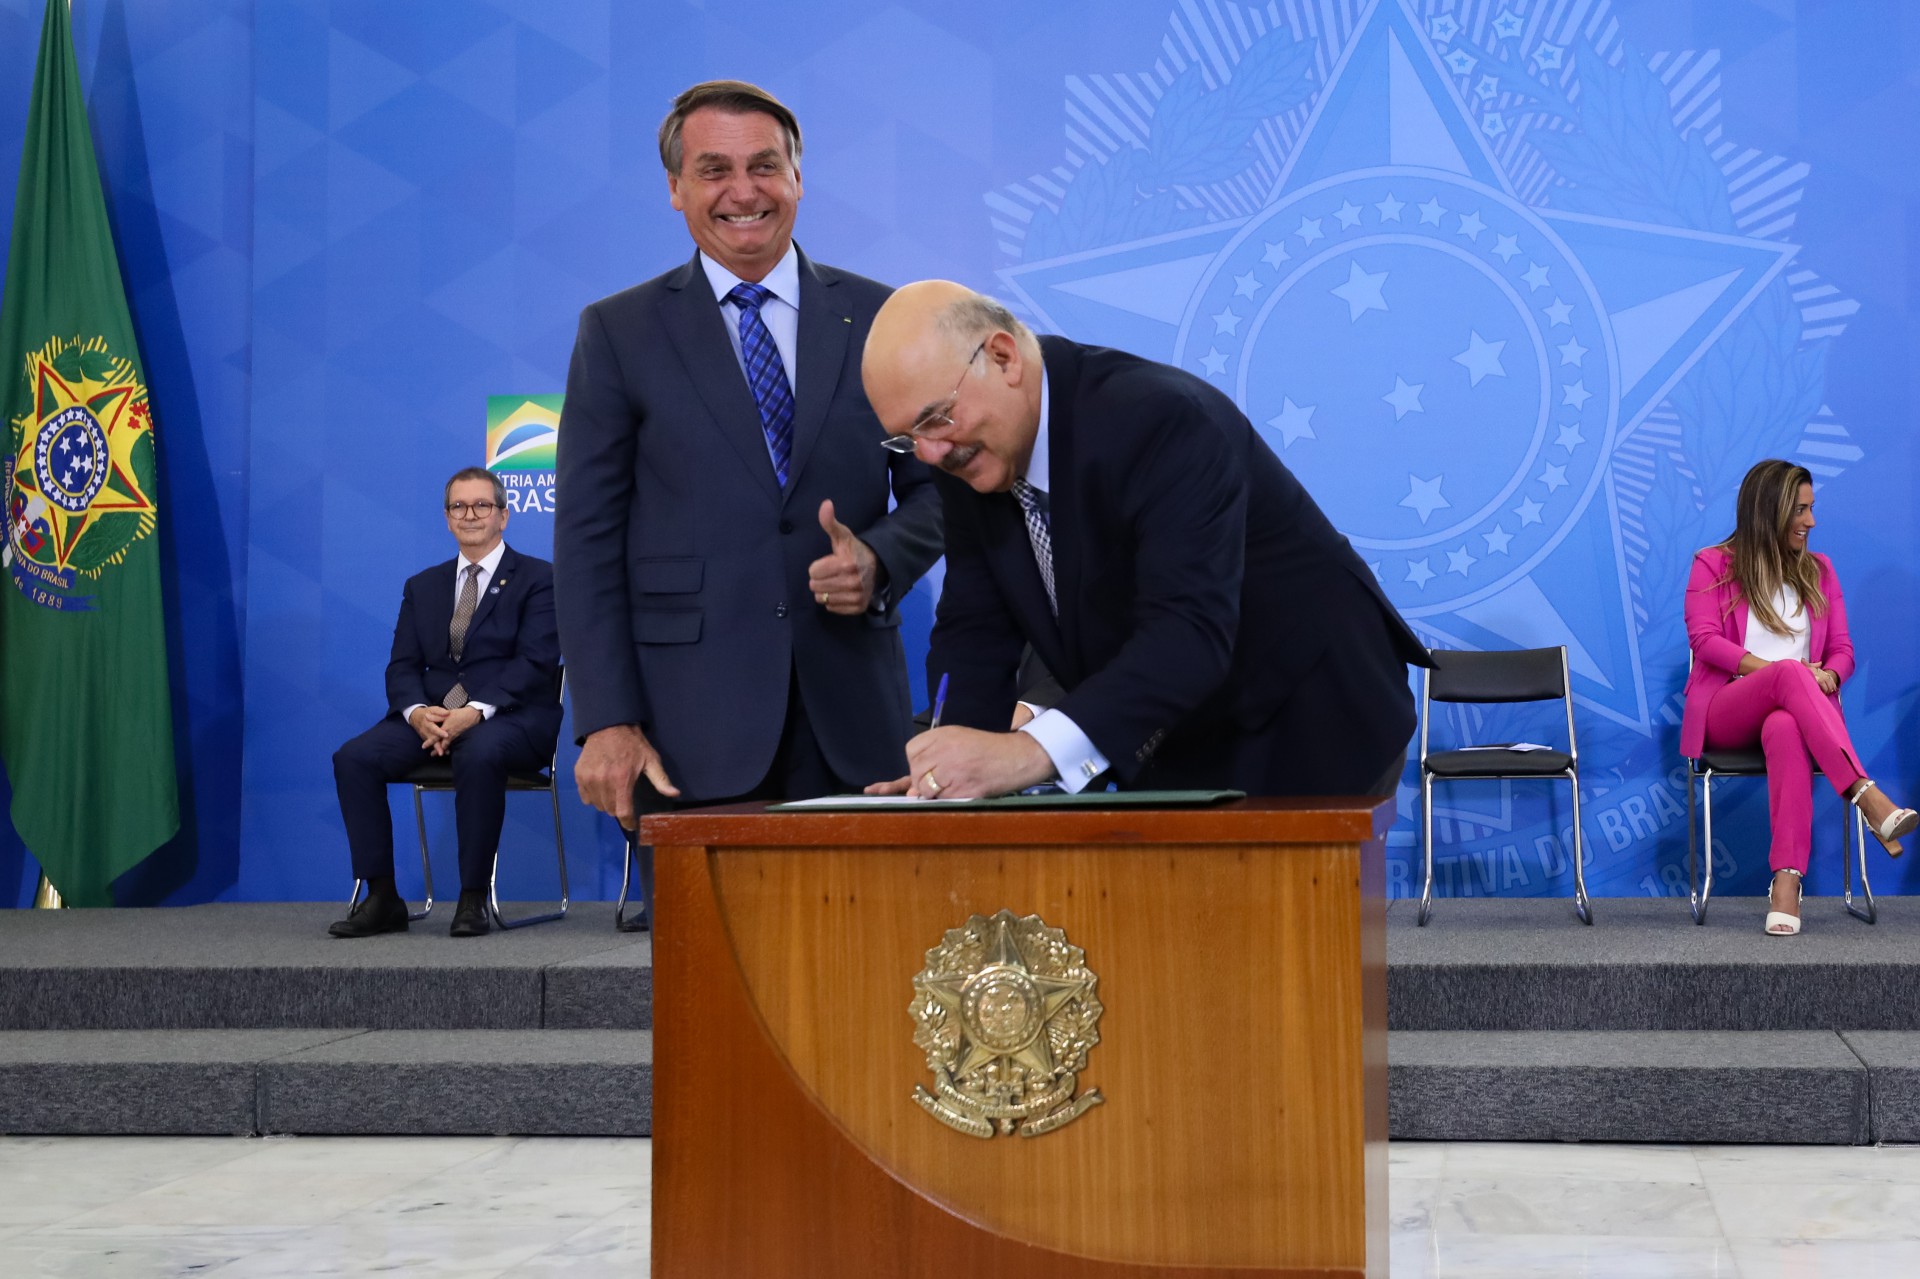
{"type": "Point", "coordinates": [1006, 1012]}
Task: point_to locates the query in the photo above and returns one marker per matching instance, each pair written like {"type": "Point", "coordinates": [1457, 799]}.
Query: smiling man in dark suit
{"type": "Point", "coordinates": [1207, 623]}
{"type": "Point", "coordinates": [474, 676]}
{"type": "Point", "coordinates": [728, 568]}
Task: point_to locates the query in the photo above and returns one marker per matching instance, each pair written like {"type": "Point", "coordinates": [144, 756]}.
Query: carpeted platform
{"type": "Point", "coordinates": [1509, 1020]}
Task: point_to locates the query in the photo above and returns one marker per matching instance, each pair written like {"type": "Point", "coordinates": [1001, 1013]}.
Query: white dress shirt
{"type": "Point", "coordinates": [488, 563]}
{"type": "Point", "coordinates": [780, 313]}
{"type": "Point", "coordinates": [1076, 761]}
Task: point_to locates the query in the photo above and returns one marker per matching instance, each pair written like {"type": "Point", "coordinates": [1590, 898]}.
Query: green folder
{"type": "Point", "coordinates": [1055, 799]}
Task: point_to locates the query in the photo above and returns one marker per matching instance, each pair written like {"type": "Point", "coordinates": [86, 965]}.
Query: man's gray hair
{"type": "Point", "coordinates": [976, 316]}
{"type": "Point", "coordinates": [476, 473]}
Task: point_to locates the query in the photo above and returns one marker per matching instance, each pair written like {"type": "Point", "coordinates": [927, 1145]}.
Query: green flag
{"type": "Point", "coordinates": [86, 719]}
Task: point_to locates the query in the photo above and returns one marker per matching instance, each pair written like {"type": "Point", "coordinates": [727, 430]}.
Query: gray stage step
{"type": "Point", "coordinates": [1505, 964]}
{"type": "Point", "coordinates": [1792, 1087]}
{"type": "Point", "coordinates": [267, 966]}
{"type": "Point", "coordinates": [544, 1082]}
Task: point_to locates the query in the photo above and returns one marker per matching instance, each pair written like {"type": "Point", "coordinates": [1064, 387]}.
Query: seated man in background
{"type": "Point", "coordinates": [474, 676]}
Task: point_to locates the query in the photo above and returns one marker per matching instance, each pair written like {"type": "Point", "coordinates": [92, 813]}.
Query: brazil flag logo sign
{"type": "Point", "coordinates": [82, 472]}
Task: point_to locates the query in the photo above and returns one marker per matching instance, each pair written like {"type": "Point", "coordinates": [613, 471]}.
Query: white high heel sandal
{"type": "Point", "coordinates": [1779, 923]}
{"type": "Point", "coordinates": [1900, 823]}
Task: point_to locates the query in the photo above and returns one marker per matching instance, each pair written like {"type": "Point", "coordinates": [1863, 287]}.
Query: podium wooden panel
{"type": "Point", "coordinates": [1240, 952]}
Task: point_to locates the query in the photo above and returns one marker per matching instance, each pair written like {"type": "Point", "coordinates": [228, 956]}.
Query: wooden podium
{"type": "Point", "coordinates": [1240, 957]}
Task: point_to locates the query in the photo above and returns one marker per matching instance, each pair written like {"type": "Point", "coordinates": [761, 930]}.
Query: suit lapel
{"type": "Point", "coordinates": [826, 326]}
{"type": "Point", "coordinates": [699, 332]}
{"type": "Point", "coordinates": [436, 618]}
{"type": "Point", "coordinates": [496, 586]}
{"type": "Point", "coordinates": [1063, 376]}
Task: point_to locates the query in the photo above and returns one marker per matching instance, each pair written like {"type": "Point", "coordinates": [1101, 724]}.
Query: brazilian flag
{"type": "Point", "coordinates": [86, 719]}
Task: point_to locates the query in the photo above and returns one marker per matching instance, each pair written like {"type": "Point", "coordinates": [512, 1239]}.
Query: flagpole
{"type": "Point", "coordinates": [47, 897]}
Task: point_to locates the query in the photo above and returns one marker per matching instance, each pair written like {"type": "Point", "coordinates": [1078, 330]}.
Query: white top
{"type": "Point", "coordinates": [1791, 647]}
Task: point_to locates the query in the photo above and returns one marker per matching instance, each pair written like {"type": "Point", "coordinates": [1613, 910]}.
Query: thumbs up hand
{"type": "Point", "coordinates": [842, 581]}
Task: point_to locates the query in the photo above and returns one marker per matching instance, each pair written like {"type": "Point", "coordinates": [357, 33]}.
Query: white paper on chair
{"type": "Point", "coordinates": [1509, 746]}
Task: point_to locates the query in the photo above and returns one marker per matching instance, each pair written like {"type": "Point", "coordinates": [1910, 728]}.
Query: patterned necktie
{"type": "Point", "coordinates": [1032, 504]}
{"type": "Point", "coordinates": [766, 375]}
{"type": "Point", "coordinates": [457, 631]}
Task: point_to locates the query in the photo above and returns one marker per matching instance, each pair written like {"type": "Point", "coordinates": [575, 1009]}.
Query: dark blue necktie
{"type": "Point", "coordinates": [766, 375]}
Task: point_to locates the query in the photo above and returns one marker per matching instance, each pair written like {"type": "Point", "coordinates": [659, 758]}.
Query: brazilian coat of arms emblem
{"type": "Point", "coordinates": [80, 471]}
{"type": "Point", "coordinates": [1006, 1012]}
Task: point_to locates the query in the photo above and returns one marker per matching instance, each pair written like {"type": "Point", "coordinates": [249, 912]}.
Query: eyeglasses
{"type": "Point", "coordinates": [481, 510]}
{"type": "Point", "coordinates": [937, 418]}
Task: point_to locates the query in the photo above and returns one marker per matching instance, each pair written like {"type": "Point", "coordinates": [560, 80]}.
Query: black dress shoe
{"type": "Point", "coordinates": [470, 916]}
{"type": "Point", "coordinates": [379, 913]}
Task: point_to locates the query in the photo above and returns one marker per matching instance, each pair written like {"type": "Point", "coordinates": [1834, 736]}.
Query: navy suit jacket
{"type": "Point", "coordinates": [511, 657]}
{"type": "Point", "coordinates": [1214, 629]}
{"type": "Point", "coordinates": [681, 562]}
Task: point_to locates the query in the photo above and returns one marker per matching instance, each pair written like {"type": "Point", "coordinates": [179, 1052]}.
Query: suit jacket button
{"type": "Point", "coordinates": [786, 526]}
{"type": "Point", "coordinates": [779, 610]}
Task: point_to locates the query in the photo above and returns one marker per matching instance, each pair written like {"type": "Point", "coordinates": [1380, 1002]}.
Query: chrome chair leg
{"type": "Point", "coordinates": [1426, 846]}
{"type": "Point", "coordinates": [426, 869]}
{"type": "Point", "coordinates": [560, 850]}
{"type": "Point", "coordinates": [1706, 846]}
{"type": "Point", "coordinates": [1693, 848]}
{"type": "Point", "coordinates": [1582, 906]}
{"type": "Point", "coordinates": [1855, 824]}
{"type": "Point", "coordinates": [642, 918]}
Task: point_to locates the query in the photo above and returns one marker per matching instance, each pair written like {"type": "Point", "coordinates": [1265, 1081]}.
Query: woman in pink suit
{"type": "Point", "coordinates": [1768, 629]}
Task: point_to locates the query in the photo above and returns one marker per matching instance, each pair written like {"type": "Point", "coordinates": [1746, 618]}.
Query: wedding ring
{"type": "Point", "coordinates": [928, 783]}
{"type": "Point", "coordinates": [825, 596]}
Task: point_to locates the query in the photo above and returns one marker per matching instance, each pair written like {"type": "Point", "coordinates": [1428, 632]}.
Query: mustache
{"type": "Point", "coordinates": [959, 456]}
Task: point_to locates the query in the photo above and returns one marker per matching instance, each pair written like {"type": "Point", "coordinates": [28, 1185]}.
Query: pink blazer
{"type": "Point", "coordinates": [1717, 636]}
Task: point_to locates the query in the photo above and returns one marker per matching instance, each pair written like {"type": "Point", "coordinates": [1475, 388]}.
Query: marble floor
{"type": "Point", "coordinates": [482, 1207]}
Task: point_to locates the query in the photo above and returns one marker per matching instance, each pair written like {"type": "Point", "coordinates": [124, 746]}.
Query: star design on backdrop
{"type": "Point", "coordinates": [1405, 399]}
{"type": "Point", "coordinates": [1581, 276]}
{"type": "Point", "coordinates": [1508, 26]}
{"type": "Point", "coordinates": [1276, 253]}
{"type": "Point", "coordinates": [1423, 496]}
{"type": "Point", "coordinates": [1460, 561]}
{"type": "Point", "coordinates": [1362, 291]}
{"type": "Point", "coordinates": [1310, 230]}
{"type": "Point", "coordinates": [1294, 422]}
{"type": "Point", "coordinates": [1214, 362]}
{"type": "Point", "coordinates": [1227, 322]}
{"type": "Point", "coordinates": [1418, 572]}
{"type": "Point", "coordinates": [1481, 358]}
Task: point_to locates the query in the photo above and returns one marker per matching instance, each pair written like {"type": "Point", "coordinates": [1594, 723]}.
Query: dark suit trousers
{"type": "Point", "coordinates": [799, 771]}
{"type": "Point", "coordinates": [482, 758]}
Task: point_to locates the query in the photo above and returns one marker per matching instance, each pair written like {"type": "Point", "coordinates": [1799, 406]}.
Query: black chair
{"type": "Point", "coordinates": [1513, 675]}
{"type": "Point", "coordinates": [435, 773]}
{"type": "Point", "coordinates": [1753, 763]}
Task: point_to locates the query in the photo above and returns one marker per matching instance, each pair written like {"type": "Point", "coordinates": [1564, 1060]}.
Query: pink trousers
{"type": "Point", "coordinates": [1781, 709]}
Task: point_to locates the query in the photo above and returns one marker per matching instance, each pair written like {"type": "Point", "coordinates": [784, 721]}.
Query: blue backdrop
{"type": "Point", "coordinates": [1519, 289]}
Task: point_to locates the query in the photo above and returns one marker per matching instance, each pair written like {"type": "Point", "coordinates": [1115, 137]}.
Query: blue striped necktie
{"type": "Point", "coordinates": [766, 375]}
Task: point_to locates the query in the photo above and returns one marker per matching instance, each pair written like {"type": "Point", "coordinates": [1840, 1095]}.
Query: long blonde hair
{"type": "Point", "coordinates": [1760, 562]}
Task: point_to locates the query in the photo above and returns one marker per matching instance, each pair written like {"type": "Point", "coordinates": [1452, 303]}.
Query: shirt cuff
{"type": "Point", "coordinates": [1074, 757]}
{"type": "Point", "coordinates": [486, 710]}
{"type": "Point", "coordinates": [406, 716]}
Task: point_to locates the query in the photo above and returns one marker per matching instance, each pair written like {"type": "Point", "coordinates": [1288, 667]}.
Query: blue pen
{"type": "Point", "coordinates": [939, 702]}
